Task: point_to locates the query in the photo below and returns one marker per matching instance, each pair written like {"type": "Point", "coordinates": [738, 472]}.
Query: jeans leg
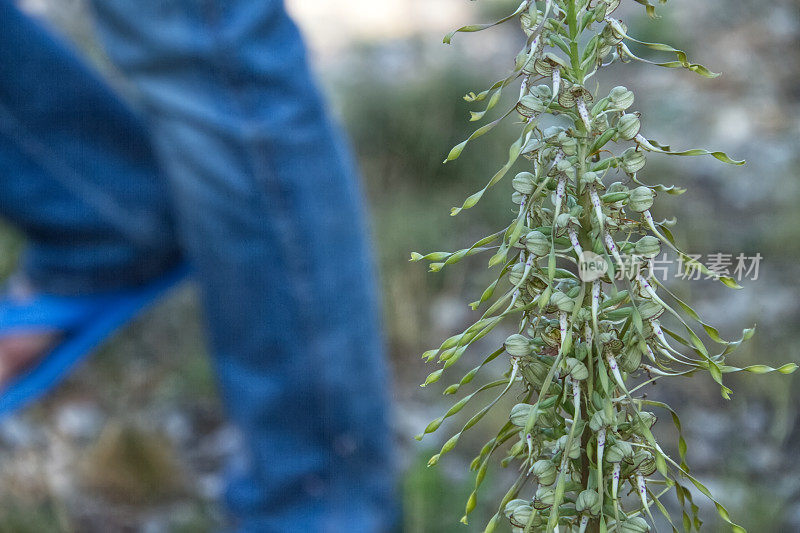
{"type": "Point", "coordinates": [270, 212]}
{"type": "Point", "coordinates": [77, 173]}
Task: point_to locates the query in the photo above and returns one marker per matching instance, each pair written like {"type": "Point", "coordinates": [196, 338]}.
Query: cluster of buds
{"type": "Point", "coordinates": [580, 433]}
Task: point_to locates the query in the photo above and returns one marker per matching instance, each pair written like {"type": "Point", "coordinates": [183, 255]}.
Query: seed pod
{"type": "Point", "coordinates": [517, 198]}
{"type": "Point", "coordinates": [620, 98]}
{"type": "Point", "coordinates": [641, 199]}
{"type": "Point", "coordinates": [544, 472]}
{"type": "Point", "coordinates": [562, 302]}
{"type": "Point", "coordinates": [588, 502]}
{"type": "Point", "coordinates": [519, 414]}
{"type": "Point", "coordinates": [537, 243]}
{"type": "Point", "coordinates": [648, 246]}
{"type": "Point", "coordinates": [628, 126]}
{"type": "Point", "coordinates": [633, 524]}
{"type": "Point", "coordinates": [544, 498]}
{"type": "Point", "coordinates": [620, 451]}
{"type": "Point", "coordinates": [524, 183]}
{"type": "Point", "coordinates": [576, 369]}
{"type": "Point", "coordinates": [518, 345]}
{"type": "Point", "coordinates": [633, 160]}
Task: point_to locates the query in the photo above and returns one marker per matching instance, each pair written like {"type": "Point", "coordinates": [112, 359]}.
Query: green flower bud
{"type": "Point", "coordinates": [563, 221]}
{"type": "Point", "coordinates": [614, 32]}
{"type": "Point", "coordinates": [544, 498]}
{"type": "Point", "coordinates": [606, 337]}
{"type": "Point", "coordinates": [583, 315]}
{"type": "Point", "coordinates": [576, 369]}
{"type": "Point", "coordinates": [518, 345]}
{"type": "Point", "coordinates": [633, 160]}
{"type": "Point", "coordinates": [619, 451]}
{"type": "Point", "coordinates": [641, 199]}
{"type": "Point", "coordinates": [569, 145]}
{"type": "Point", "coordinates": [620, 98]}
{"type": "Point", "coordinates": [644, 463]}
{"type": "Point", "coordinates": [612, 345]}
{"type": "Point", "coordinates": [521, 515]}
{"type": "Point", "coordinates": [544, 472]}
{"type": "Point", "coordinates": [590, 177]}
{"type": "Point", "coordinates": [547, 63]}
{"type": "Point", "coordinates": [600, 123]}
{"type": "Point", "coordinates": [529, 105]}
{"type": "Point", "coordinates": [630, 359]}
{"type": "Point", "coordinates": [513, 505]}
{"type": "Point", "coordinates": [588, 502]}
{"type": "Point", "coordinates": [574, 449]}
{"type": "Point", "coordinates": [552, 134]}
{"type": "Point", "coordinates": [628, 126]}
{"type": "Point", "coordinates": [515, 274]}
{"type": "Point", "coordinates": [562, 302]}
{"type": "Point", "coordinates": [581, 351]}
{"type": "Point", "coordinates": [524, 183]}
{"type": "Point", "coordinates": [650, 310]}
{"type": "Point", "coordinates": [601, 420]}
{"type": "Point", "coordinates": [617, 186]}
{"type": "Point", "coordinates": [634, 524]}
{"type": "Point", "coordinates": [535, 372]}
{"type": "Point", "coordinates": [519, 414]}
{"type": "Point", "coordinates": [648, 246]}
{"type": "Point", "coordinates": [647, 419]}
{"type": "Point", "coordinates": [537, 243]}
{"type": "Point", "coordinates": [542, 92]}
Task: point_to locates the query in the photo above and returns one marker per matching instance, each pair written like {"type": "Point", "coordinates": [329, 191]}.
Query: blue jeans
{"type": "Point", "coordinates": [231, 163]}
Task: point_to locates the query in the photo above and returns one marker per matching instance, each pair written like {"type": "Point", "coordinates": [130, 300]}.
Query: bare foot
{"type": "Point", "coordinates": [20, 352]}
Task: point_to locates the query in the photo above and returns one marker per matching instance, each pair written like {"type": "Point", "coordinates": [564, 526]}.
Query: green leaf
{"type": "Point", "coordinates": [513, 154]}
{"type": "Point", "coordinates": [479, 27]}
{"type": "Point", "coordinates": [682, 59]}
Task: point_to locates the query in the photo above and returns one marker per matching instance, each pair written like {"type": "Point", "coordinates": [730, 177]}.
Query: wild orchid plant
{"type": "Point", "coordinates": [589, 331]}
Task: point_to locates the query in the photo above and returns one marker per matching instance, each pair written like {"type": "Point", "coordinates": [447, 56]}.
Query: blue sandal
{"type": "Point", "coordinates": [86, 321]}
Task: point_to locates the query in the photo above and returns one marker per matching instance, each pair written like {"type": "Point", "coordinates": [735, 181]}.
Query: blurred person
{"type": "Point", "coordinates": [230, 165]}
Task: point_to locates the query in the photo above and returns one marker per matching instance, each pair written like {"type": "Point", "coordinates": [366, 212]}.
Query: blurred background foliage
{"type": "Point", "coordinates": [135, 441]}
